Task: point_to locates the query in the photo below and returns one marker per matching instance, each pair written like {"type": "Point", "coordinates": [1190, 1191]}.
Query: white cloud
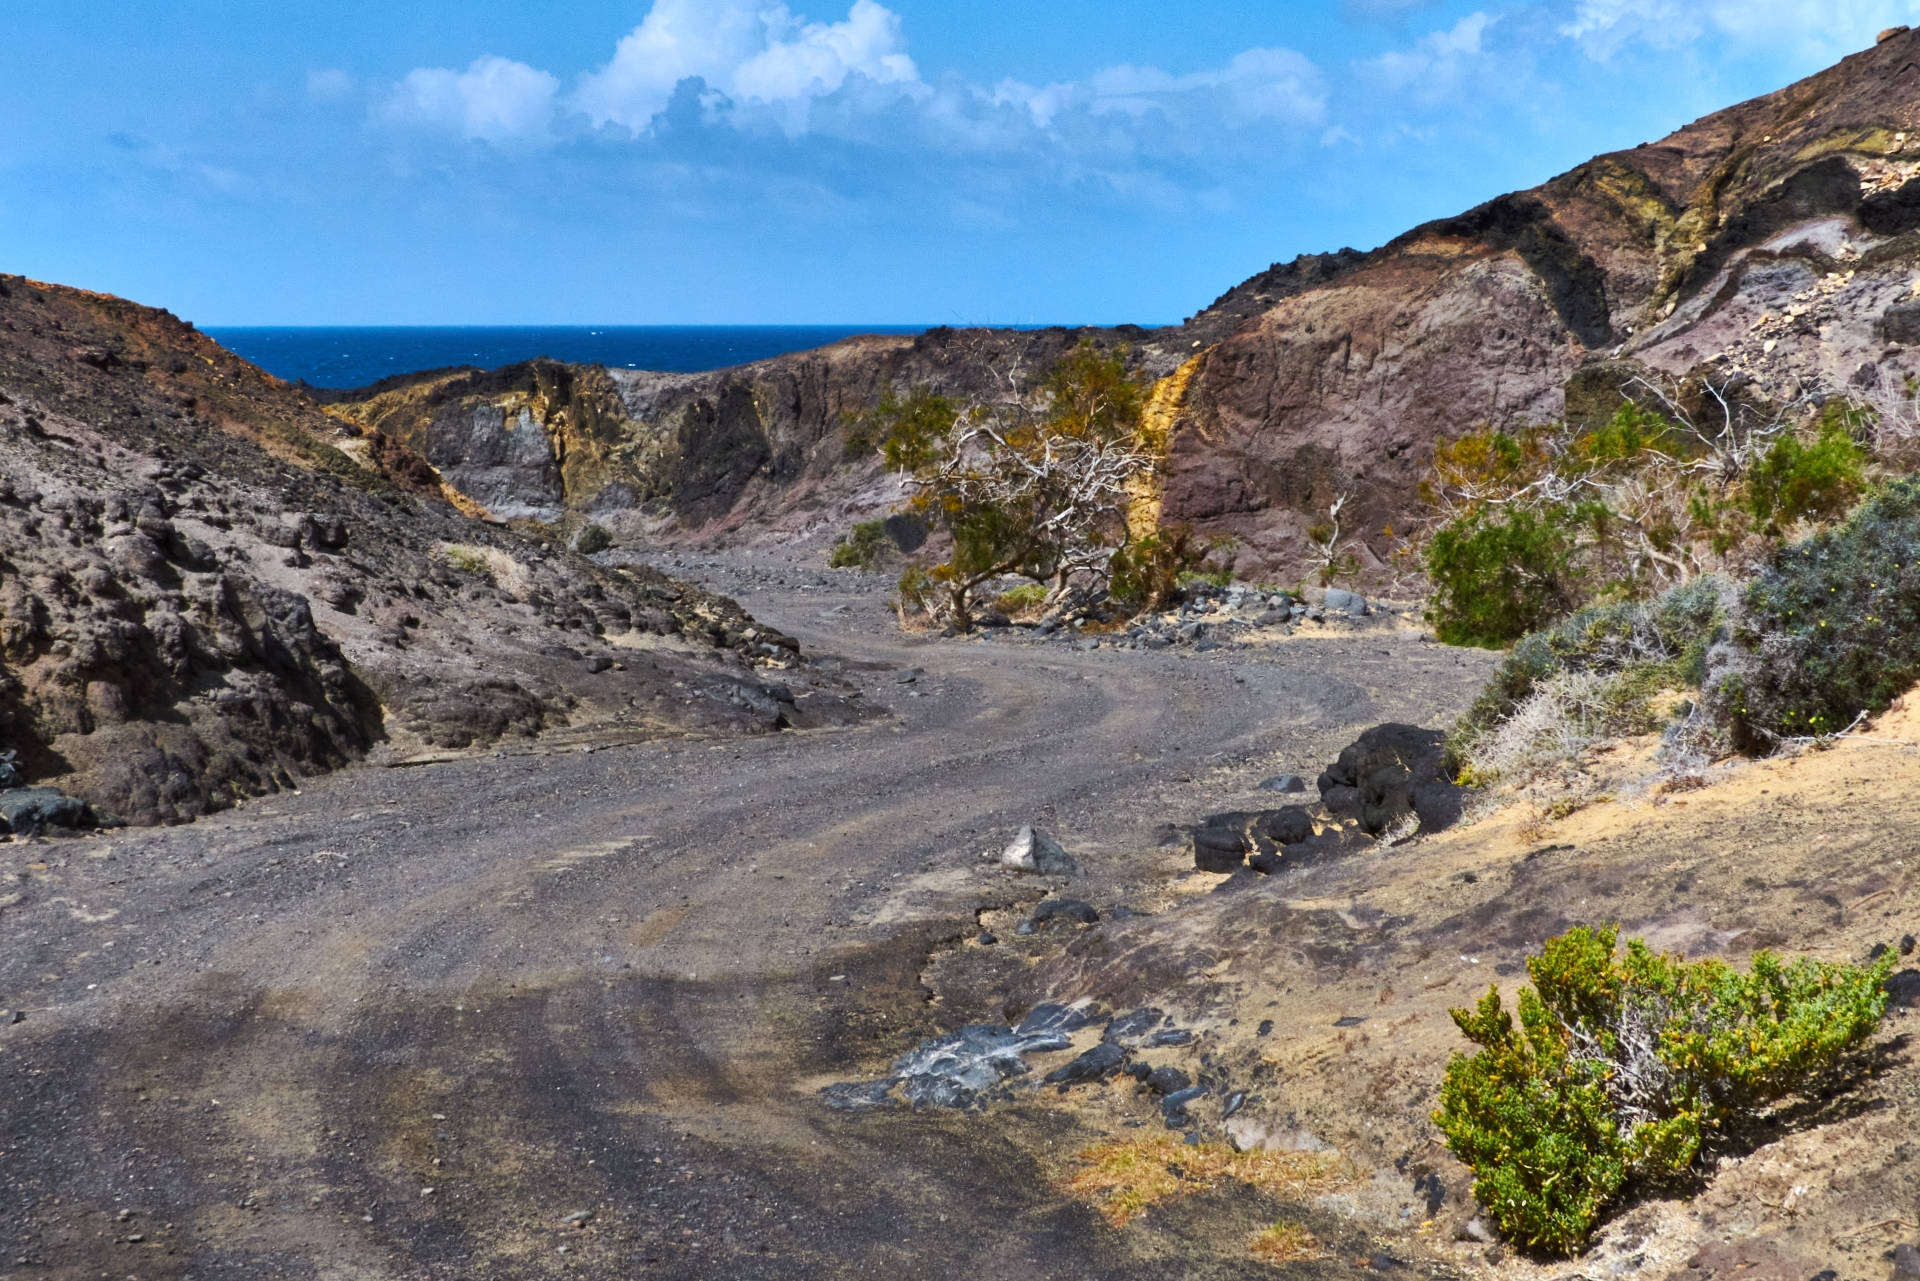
{"type": "Point", "coordinates": [1259, 85]}
{"type": "Point", "coordinates": [1434, 68]}
{"type": "Point", "coordinates": [1603, 27]}
{"type": "Point", "coordinates": [750, 53]}
{"type": "Point", "coordinates": [494, 100]}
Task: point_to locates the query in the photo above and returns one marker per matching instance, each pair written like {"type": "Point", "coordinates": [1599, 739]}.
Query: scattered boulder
{"type": "Point", "coordinates": [1352, 604]}
{"type": "Point", "coordinates": [1097, 1064]}
{"type": "Point", "coordinates": [1284, 783]}
{"type": "Point", "coordinates": [1050, 1016]}
{"type": "Point", "coordinates": [1389, 772]}
{"type": "Point", "coordinates": [1901, 323]}
{"type": "Point", "coordinates": [1168, 1080]}
{"type": "Point", "coordinates": [1174, 1107]}
{"type": "Point", "coordinates": [1133, 1028]}
{"type": "Point", "coordinates": [1063, 909]}
{"type": "Point", "coordinates": [28, 809]}
{"type": "Point", "coordinates": [1034, 851]}
{"type": "Point", "coordinates": [1223, 841]}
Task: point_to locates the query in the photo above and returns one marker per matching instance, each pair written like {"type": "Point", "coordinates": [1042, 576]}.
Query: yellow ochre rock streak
{"type": "Point", "coordinates": [1158, 422]}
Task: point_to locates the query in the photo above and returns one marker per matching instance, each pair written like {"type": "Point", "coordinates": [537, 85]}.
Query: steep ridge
{"type": "Point", "coordinates": [210, 588]}
{"type": "Point", "coordinates": [1331, 375]}
{"type": "Point", "coordinates": [1663, 257]}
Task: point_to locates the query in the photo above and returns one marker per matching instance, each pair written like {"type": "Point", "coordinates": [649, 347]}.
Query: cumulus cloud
{"type": "Point", "coordinates": [494, 100]}
{"type": "Point", "coordinates": [746, 51]}
{"type": "Point", "coordinates": [1603, 27]}
{"type": "Point", "coordinates": [1436, 65]}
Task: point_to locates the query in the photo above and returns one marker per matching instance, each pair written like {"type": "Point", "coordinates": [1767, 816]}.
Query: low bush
{"type": "Point", "coordinates": [1018, 600]}
{"type": "Point", "coordinates": [1146, 574]}
{"type": "Point", "coordinates": [862, 548]}
{"type": "Point", "coordinates": [1809, 479]}
{"type": "Point", "coordinates": [1596, 671]}
{"type": "Point", "coordinates": [592, 538]}
{"type": "Point", "coordinates": [1501, 573]}
{"type": "Point", "coordinates": [1622, 1069]}
{"type": "Point", "coordinates": [1828, 630]}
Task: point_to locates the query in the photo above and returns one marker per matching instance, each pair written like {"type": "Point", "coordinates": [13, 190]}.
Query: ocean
{"type": "Point", "coordinates": [355, 357]}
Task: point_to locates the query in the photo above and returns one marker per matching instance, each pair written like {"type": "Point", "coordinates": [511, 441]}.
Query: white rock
{"type": "Point", "coordinates": [1034, 851]}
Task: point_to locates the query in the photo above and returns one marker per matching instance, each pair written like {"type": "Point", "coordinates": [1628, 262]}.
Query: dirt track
{"type": "Point", "coordinates": [404, 1023]}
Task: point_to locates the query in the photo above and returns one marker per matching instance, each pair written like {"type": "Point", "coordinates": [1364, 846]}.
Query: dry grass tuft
{"type": "Point", "coordinates": [1284, 1243]}
{"type": "Point", "coordinates": [1125, 1180]}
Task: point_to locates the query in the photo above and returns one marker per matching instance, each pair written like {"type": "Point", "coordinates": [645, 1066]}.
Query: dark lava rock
{"type": "Point", "coordinates": [1265, 1028]}
{"type": "Point", "coordinates": [1102, 1061]}
{"type": "Point", "coordinates": [599, 663]}
{"type": "Point", "coordinates": [1223, 841]}
{"type": "Point", "coordinates": [856, 1096]}
{"type": "Point", "coordinates": [1174, 1106]}
{"type": "Point", "coordinates": [1906, 1263]}
{"type": "Point", "coordinates": [1389, 772]}
{"type": "Point", "coordinates": [1284, 783]}
{"type": "Point", "coordinates": [1266, 864]}
{"type": "Point", "coordinates": [1133, 1028]}
{"type": "Point", "coordinates": [1173, 1036]}
{"type": "Point", "coordinates": [955, 1070]}
{"type": "Point", "coordinates": [1064, 909]}
{"type": "Point", "coordinates": [1168, 1080]}
{"type": "Point", "coordinates": [27, 809]}
{"type": "Point", "coordinates": [1351, 1020]}
{"type": "Point", "coordinates": [1235, 1101]}
{"type": "Point", "coordinates": [1051, 1018]}
{"type": "Point", "coordinates": [1218, 849]}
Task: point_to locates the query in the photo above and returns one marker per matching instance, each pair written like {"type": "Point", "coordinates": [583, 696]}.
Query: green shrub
{"type": "Point", "coordinates": [861, 549]}
{"type": "Point", "coordinates": [591, 539]}
{"type": "Point", "coordinates": [1799, 480]}
{"type": "Point", "coordinates": [1828, 630]}
{"type": "Point", "coordinates": [1622, 1069]}
{"type": "Point", "coordinates": [1017, 600]}
{"type": "Point", "coordinates": [1651, 643]}
{"type": "Point", "coordinates": [1146, 573]}
{"type": "Point", "coordinates": [1501, 573]}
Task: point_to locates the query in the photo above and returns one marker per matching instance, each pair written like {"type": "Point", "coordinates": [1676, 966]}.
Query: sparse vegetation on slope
{"type": "Point", "coordinates": [1536, 524]}
{"type": "Point", "coordinates": [1829, 630]}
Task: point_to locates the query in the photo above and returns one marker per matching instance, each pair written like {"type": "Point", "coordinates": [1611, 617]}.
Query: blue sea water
{"type": "Point", "coordinates": [355, 357]}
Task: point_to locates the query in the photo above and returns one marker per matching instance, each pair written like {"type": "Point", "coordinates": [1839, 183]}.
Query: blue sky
{"type": "Point", "coordinates": [830, 161]}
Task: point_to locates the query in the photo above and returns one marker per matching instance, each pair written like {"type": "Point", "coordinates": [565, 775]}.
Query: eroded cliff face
{"type": "Point", "coordinates": [1764, 243]}
{"type": "Point", "coordinates": [1773, 242]}
{"type": "Point", "coordinates": [757, 451]}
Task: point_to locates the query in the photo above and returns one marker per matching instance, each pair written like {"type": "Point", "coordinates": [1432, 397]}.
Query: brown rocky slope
{"type": "Point", "coordinates": [209, 588]}
{"type": "Point", "coordinates": [1774, 242]}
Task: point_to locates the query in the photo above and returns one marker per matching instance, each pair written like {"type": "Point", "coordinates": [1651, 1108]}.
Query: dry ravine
{"type": "Point", "coordinates": [567, 1013]}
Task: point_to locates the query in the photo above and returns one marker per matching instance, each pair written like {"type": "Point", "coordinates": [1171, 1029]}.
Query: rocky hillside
{"type": "Point", "coordinates": [1773, 242]}
{"type": "Point", "coordinates": [209, 587]}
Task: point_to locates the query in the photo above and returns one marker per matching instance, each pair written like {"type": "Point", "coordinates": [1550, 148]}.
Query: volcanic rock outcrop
{"type": "Point", "coordinates": [1772, 245]}
{"type": "Point", "coordinates": [210, 588]}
